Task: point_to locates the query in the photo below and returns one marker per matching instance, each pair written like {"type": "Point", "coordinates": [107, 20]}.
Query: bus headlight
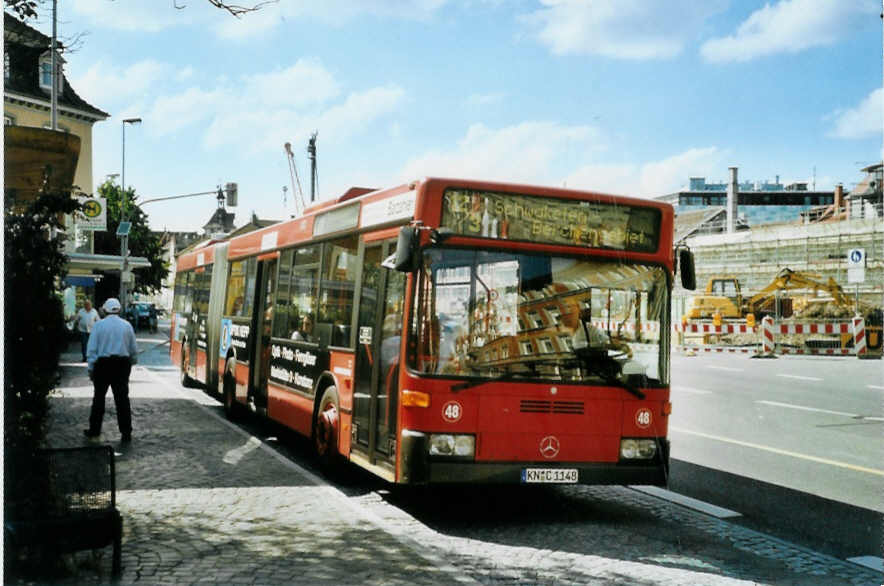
{"type": "Point", "coordinates": [449, 444]}
{"type": "Point", "coordinates": [638, 449]}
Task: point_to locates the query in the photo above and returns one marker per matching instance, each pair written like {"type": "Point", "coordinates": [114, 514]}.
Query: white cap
{"type": "Point", "coordinates": [112, 305]}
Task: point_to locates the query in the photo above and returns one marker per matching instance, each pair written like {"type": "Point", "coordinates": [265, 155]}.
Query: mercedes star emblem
{"type": "Point", "coordinates": [549, 446]}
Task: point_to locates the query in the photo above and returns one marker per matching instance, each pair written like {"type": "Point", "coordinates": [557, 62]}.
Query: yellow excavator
{"type": "Point", "coordinates": [724, 296]}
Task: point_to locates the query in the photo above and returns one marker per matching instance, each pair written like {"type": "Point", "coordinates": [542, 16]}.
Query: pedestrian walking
{"type": "Point", "coordinates": [85, 318]}
{"type": "Point", "coordinates": [110, 355]}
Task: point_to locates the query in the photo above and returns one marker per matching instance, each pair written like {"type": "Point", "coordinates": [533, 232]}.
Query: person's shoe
{"type": "Point", "coordinates": [126, 439]}
{"type": "Point", "coordinates": [91, 434]}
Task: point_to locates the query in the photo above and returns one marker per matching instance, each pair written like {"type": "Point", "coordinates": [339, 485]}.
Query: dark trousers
{"type": "Point", "coordinates": [113, 372]}
{"type": "Point", "coordinates": [84, 343]}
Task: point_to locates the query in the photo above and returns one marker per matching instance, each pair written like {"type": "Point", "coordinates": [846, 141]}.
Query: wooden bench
{"type": "Point", "coordinates": [70, 504]}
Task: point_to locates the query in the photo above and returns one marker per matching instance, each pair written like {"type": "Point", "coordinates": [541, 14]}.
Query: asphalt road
{"type": "Point", "coordinates": [794, 444]}
{"type": "Point", "coordinates": [812, 424]}
{"type": "Point", "coordinates": [798, 458]}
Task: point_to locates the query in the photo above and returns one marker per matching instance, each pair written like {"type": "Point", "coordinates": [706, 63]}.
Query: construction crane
{"type": "Point", "coordinates": [297, 193]}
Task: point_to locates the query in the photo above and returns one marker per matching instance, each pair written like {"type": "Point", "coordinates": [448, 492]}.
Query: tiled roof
{"type": "Point", "coordinates": [24, 46]}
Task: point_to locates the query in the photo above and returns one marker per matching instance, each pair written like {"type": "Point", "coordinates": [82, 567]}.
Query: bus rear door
{"type": "Point", "coordinates": [262, 321]}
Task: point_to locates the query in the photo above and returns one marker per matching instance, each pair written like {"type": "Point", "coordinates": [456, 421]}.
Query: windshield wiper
{"type": "Point", "coordinates": [481, 381]}
{"type": "Point", "coordinates": [614, 381]}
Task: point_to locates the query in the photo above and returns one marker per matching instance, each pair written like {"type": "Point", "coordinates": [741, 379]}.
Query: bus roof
{"type": "Point", "coordinates": [363, 208]}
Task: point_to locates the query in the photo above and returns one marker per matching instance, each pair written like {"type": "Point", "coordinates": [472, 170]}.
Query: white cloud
{"type": "Point", "coordinates": [170, 113]}
{"type": "Point", "coordinates": [789, 26]}
{"type": "Point", "coordinates": [525, 152]}
{"type": "Point", "coordinates": [304, 83]}
{"type": "Point", "coordinates": [648, 179]}
{"type": "Point", "coordinates": [265, 110]}
{"type": "Point", "coordinates": [103, 82]}
{"type": "Point", "coordinates": [864, 121]}
{"type": "Point", "coordinates": [620, 29]}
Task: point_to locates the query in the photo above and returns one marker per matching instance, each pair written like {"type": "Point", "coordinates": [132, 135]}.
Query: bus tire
{"type": "Point", "coordinates": [325, 431]}
{"type": "Point", "coordinates": [232, 409]}
{"type": "Point", "coordinates": [186, 381]}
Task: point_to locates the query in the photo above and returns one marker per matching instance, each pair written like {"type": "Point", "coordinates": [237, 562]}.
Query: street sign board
{"type": "Point", "coordinates": [93, 216]}
{"type": "Point", "coordinates": [856, 274]}
{"type": "Point", "coordinates": [856, 257]}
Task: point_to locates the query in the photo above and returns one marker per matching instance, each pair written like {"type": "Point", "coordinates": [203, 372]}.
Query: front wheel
{"type": "Point", "coordinates": [325, 431]}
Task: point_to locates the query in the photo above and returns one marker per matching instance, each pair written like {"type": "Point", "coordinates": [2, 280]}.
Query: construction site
{"type": "Point", "coordinates": [796, 272]}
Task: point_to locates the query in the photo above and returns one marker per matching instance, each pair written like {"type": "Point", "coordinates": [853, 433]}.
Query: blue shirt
{"type": "Point", "coordinates": [112, 336]}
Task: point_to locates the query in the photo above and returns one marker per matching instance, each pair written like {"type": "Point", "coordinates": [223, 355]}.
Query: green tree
{"type": "Point", "coordinates": [142, 242]}
{"type": "Point", "coordinates": [35, 332]}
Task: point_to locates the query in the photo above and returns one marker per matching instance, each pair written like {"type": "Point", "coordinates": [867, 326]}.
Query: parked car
{"type": "Point", "coordinates": [143, 315]}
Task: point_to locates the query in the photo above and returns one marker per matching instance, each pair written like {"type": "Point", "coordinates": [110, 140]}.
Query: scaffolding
{"type": "Point", "coordinates": [755, 256]}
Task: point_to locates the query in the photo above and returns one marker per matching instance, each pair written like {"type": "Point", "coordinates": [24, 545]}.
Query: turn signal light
{"type": "Point", "coordinates": [415, 398]}
{"type": "Point", "coordinates": [667, 408]}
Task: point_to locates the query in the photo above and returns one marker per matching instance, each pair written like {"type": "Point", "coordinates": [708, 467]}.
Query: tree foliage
{"type": "Point", "coordinates": [142, 242]}
{"type": "Point", "coordinates": [35, 332]}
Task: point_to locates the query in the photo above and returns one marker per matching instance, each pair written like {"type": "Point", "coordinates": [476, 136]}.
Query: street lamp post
{"type": "Point", "coordinates": [124, 240]}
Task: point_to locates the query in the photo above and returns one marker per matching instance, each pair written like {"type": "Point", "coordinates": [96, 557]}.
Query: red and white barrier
{"type": "Point", "coordinates": [769, 330]}
{"type": "Point", "coordinates": [709, 328]}
{"type": "Point", "coordinates": [859, 335]}
{"type": "Point", "coordinates": [767, 336]}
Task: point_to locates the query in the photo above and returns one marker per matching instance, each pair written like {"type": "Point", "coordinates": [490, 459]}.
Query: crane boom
{"type": "Point", "coordinates": [297, 192]}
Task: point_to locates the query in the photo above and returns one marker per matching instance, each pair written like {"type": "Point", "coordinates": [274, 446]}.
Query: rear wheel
{"type": "Point", "coordinates": [325, 431]}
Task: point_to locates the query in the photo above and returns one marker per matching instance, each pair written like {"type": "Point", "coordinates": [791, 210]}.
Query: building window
{"type": "Point", "coordinates": [45, 72]}
{"type": "Point", "coordinates": [8, 120]}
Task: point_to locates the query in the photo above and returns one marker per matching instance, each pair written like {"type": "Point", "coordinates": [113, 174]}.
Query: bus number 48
{"type": "Point", "coordinates": [452, 411]}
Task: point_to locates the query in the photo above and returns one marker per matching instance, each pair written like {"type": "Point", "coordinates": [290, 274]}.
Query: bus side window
{"type": "Point", "coordinates": [339, 266]}
{"type": "Point", "coordinates": [303, 295]}
{"type": "Point", "coordinates": [282, 326]}
{"type": "Point", "coordinates": [249, 295]}
{"type": "Point", "coordinates": [236, 285]}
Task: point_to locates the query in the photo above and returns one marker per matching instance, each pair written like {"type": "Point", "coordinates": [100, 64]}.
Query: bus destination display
{"type": "Point", "coordinates": [530, 218]}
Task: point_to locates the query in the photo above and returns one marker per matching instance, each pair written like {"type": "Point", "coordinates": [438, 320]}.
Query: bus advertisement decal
{"type": "Point", "coordinates": [296, 367]}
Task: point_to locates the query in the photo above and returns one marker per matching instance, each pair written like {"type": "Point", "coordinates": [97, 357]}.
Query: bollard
{"type": "Point", "coordinates": [859, 337]}
{"type": "Point", "coordinates": [767, 338]}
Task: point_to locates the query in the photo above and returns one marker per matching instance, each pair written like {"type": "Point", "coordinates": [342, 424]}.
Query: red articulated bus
{"type": "Point", "coordinates": [448, 331]}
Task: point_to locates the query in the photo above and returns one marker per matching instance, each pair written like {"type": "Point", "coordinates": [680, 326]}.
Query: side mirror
{"type": "Point", "coordinates": [441, 235]}
{"type": "Point", "coordinates": [405, 260]}
{"type": "Point", "coordinates": [686, 266]}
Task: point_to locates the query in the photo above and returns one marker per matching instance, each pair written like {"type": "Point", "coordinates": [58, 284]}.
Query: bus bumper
{"type": "Point", "coordinates": [418, 468]}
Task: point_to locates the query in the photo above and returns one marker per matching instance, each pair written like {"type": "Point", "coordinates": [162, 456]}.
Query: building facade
{"type": "Point", "coordinates": [758, 203]}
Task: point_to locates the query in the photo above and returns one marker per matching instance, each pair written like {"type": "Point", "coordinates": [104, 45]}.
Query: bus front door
{"type": "Point", "coordinates": [262, 322]}
{"type": "Point", "coordinates": [375, 401]}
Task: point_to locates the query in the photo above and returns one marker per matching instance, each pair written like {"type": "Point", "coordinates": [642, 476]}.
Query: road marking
{"type": "Point", "coordinates": [690, 390]}
{"type": "Point", "coordinates": [688, 502]}
{"type": "Point", "coordinates": [802, 408]}
{"type": "Point", "coordinates": [728, 368]}
{"type": "Point", "coordinates": [869, 561]}
{"type": "Point", "coordinates": [799, 377]}
{"type": "Point", "coordinates": [816, 459]}
{"type": "Point", "coordinates": [876, 387]}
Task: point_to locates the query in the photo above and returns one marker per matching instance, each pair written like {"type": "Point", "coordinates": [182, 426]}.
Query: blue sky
{"type": "Point", "coordinates": [622, 96]}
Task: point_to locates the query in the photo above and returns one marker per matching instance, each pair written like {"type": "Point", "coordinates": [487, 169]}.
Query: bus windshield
{"type": "Point", "coordinates": [499, 314]}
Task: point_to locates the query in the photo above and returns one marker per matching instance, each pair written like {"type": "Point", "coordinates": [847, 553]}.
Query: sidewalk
{"type": "Point", "coordinates": [202, 502]}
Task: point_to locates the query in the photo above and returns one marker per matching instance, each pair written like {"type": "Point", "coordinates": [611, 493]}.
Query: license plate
{"type": "Point", "coordinates": [549, 475]}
